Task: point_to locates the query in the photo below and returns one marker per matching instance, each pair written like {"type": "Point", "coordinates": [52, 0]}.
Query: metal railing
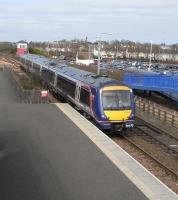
{"type": "Point", "coordinates": [33, 96]}
{"type": "Point", "coordinates": [169, 116]}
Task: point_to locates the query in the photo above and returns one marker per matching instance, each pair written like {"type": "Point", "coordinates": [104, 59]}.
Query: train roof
{"type": "Point", "coordinates": [80, 75]}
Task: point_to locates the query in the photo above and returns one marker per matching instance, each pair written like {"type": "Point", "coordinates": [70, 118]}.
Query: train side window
{"type": "Point", "coordinates": [85, 97]}
{"type": "Point", "coordinates": [60, 82]}
{"type": "Point", "coordinates": [71, 89]}
{"type": "Point", "coordinates": [66, 86]}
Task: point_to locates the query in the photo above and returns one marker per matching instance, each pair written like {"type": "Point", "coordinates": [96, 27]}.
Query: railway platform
{"type": "Point", "coordinates": [50, 151]}
{"type": "Point", "coordinates": [149, 185]}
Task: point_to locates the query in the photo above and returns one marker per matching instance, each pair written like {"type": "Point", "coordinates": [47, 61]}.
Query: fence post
{"type": "Point", "coordinates": [165, 115]}
{"type": "Point", "coordinates": [143, 106]}
{"type": "Point", "coordinates": [159, 114]}
{"type": "Point", "coordinates": [154, 109]}
{"type": "Point", "coordinates": [139, 103]}
{"type": "Point", "coordinates": [173, 119]}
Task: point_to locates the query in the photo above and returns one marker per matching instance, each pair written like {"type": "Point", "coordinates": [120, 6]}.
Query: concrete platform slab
{"type": "Point", "coordinates": [143, 179]}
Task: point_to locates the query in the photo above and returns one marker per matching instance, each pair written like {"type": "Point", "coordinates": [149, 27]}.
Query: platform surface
{"type": "Point", "coordinates": [45, 155]}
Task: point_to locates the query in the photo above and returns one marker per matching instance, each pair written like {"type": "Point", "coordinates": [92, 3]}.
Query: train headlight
{"type": "Point", "coordinates": [132, 116]}
{"type": "Point", "coordinates": [103, 116]}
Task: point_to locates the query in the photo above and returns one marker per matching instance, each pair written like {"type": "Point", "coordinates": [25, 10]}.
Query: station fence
{"type": "Point", "coordinates": [157, 111]}
{"type": "Point", "coordinates": [1, 67]}
{"type": "Point", "coordinates": [33, 96]}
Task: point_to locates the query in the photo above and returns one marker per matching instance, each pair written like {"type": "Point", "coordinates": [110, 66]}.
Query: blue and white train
{"type": "Point", "coordinates": [106, 101]}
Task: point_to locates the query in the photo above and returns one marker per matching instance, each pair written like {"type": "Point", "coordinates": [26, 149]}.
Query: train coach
{"type": "Point", "coordinates": [108, 102]}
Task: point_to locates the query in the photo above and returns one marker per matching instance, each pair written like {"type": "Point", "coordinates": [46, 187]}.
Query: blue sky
{"type": "Point", "coordinates": [44, 20]}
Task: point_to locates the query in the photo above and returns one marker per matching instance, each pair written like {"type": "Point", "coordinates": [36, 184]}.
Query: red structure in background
{"type": "Point", "coordinates": [22, 48]}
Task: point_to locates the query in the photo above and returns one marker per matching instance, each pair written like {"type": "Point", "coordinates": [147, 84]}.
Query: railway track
{"type": "Point", "coordinates": [159, 146]}
{"type": "Point", "coordinates": [169, 139]}
{"type": "Point", "coordinates": [11, 60]}
{"type": "Point", "coordinates": [155, 149]}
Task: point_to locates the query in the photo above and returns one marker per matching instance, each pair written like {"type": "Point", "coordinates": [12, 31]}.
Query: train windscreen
{"type": "Point", "coordinates": [116, 100]}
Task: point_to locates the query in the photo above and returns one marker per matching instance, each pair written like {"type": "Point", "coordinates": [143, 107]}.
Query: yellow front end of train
{"type": "Point", "coordinates": [117, 104]}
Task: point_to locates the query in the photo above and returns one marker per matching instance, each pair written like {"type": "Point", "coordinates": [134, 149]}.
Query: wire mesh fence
{"type": "Point", "coordinates": [29, 96]}
{"type": "Point", "coordinates": [1, 67]}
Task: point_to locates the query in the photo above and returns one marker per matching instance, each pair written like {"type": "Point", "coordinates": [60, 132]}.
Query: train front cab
{"type": "Point", "coordinates": [117, 104]}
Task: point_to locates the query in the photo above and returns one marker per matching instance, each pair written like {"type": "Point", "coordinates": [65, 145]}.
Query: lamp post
{"type": "Point", "coordinates": [98, 66]}
{"type": "Point", "coordinates": [48, 49]}
{"type": "Point", "coordinates": [149, 68]}
{"type": "Point", "coordinates": [117, 51]}
{"type": "Point", "coordinates": [89, 54]}
{"type": "Point", "coordinates": [99, 51]}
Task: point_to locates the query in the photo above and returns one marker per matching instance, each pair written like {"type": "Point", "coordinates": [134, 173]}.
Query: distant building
{"type": "Point", "coordinates": [119, 54]}
{"type": "Point", "coordinates": [165, 57]}
{"type": "Point", "coordinates": [142, 55]}
{"type": "Point", "coordinates": [22, 48]}
{"type": "Point", "coordinates": [84, 58]}
{"type": "Point", "coordinates": [165, 47]}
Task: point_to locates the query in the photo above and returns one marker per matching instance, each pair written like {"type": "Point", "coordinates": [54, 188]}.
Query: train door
{"type": "Point", "coordinates": [77, 91]}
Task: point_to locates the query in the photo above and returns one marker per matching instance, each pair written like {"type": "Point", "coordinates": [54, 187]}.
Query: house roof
{"type": "Point", "coordinates": [22, 41]}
